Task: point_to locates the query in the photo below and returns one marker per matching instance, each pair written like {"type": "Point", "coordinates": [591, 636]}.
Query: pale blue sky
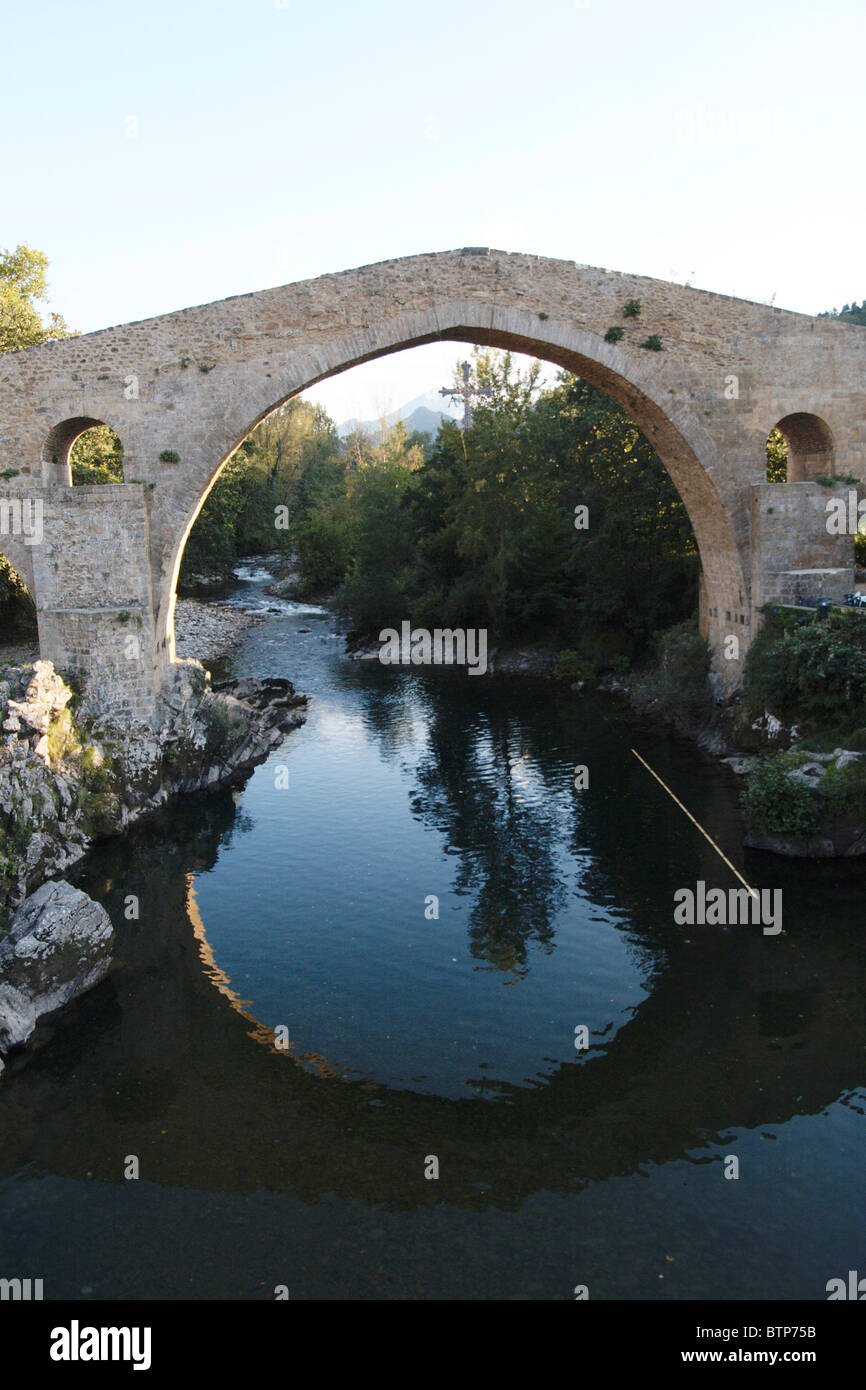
{"type": "Point", "coordinates": [170, 154]}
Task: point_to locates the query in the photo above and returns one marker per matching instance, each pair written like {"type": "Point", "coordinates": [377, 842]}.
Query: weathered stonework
{"type": "Point", "coordinates": [195, 382]}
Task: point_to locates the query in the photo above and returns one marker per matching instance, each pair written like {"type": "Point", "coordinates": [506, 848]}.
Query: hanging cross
{"type": "Point", "coordinates": [465, 393]}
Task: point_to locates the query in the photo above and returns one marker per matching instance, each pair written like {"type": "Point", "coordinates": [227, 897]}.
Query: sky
{"type": "Point", "coordinates": [174, 153]}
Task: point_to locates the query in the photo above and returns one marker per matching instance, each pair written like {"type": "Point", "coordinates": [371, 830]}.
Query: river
{"type": "Point", "coordinates": [414, 895]}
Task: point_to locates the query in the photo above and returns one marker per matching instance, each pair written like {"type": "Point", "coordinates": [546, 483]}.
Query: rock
{"type": "Point", "coordinates": [740, 765]}
{"type": "Point", "coordinates": [769, 725]}
{"type": "Point", "coordinates": [282, 588]}
{"type": "Point", "coordinates": [59, 946]}
{"type": "Point", "coordinates": [810, 774]}
{"type": "Point", "coordinates": [208, 630]}
{"type": "Point", "coordinates": [845, 756]}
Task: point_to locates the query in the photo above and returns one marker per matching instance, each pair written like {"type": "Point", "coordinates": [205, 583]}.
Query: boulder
{"type": "Point", "coordinates": [59, 945]}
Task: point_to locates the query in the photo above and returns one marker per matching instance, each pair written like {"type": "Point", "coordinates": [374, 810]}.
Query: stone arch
{"type": "Point", "coordinates": [17, 556]}
{"type": "Point", "coordinates": [811, 447]}
{"type": "Point", "coordinates": [14, 547]}
{"type": "Point", "coordinates": [57, 448]}
{"type": "Point", "coordinates": [633, 379]}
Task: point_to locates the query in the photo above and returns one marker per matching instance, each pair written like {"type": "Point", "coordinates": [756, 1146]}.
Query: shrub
{"type": "Point", "coordinates": [571, 667]}
{"type": "Point", "coordinates": [169, 456]}
{"type": "Point", "coordinates": [631, 309]}
{"type": "Point", "coordinates": [844, 792]}
{"type": "Point", "coordinates": [771, 801]}
{"type": "Point", "coordinates": [653, 343]}
{"type": "Point", "coordinates": [613, 335]}
{"type": "Point", "coordinates": [808, 670]}
{"type": "Point", "coordinates": [677, 682]}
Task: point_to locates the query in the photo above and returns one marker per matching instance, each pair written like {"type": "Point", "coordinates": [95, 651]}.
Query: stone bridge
{"type": "Point", "coordinates": [183, 390]}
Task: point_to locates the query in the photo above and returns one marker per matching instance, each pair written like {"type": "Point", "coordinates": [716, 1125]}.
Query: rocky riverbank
{"type": "Point", "coordinates": [65, 781]}
{"type": "Point", "coordinates": [205, 631]}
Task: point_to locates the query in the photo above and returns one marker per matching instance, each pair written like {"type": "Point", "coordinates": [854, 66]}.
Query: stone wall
{"type": "Point", "coordinates": [793, 553]}
{"type": "Point", "coordinates": [90, 577]}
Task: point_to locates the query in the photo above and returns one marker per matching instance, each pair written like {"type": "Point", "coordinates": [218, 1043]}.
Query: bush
{"type": "Point", "coordinates": [771, 801]}
{"type": "Point", "coordinates": [571, 667]}
{"type": "Point", "coordinates": [813, 670]}
{"type": "Point", "coordinates": [844, 792]}
{"type": "Point", "coordinates": [677, 682]}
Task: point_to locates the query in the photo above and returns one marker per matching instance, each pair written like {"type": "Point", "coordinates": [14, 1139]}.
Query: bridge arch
{"type": "Point", "coordinates": [58, 445]}
{"type": "Point", "coordinates": [811, 447]}
{"type": "Point", "coordinates": [634, 379]}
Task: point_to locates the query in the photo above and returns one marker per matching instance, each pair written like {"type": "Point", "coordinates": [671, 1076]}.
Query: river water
{"type": "Point", "coordinates": [368, 964]}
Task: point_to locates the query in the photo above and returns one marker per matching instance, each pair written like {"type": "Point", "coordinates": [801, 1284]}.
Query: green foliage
{"type": "Point", "coordinates": [571, 667]}
{"type": "Point", "coordinates": [61, 736]}
{"type": "Point", "coordinates": [653, 343]}
{"type": "Point", "coordinates": [614, 334]}
{"type": "Point", "coordinates": [293, 459]}
{"type": "Point", "coordinates": [772, 802]}
{"type": "Point", "coordinates": [631, 309]}
{"type": "Point", "coordinates": [676, 682]}
{"type": "Point", "coordinates": [10, 473]}
{"type": "Point", "coordinates": [169, 456]}
{"type": "Point", "coordinates": [777, 457]}
{"type": "Point", "coordinates": [543, 315]}
{"type": "Point", "coordinates": [811, 669]}
{"type": "Point", "coordinates": [94, 773]}
{"type": "Point", "coordinates": [851, 313]}
{"type": "Point", "coordinates": [17, 610]}
{"type": "Point", "coordinates": [22, 282]}
{"type": "Point", "coordinates": [97, 457]}
{"type": "Point", "coordinates": [843, 790]}
{"type": "Point", "coordinates": [478, 530]}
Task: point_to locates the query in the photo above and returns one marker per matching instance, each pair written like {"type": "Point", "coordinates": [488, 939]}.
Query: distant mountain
{"type": "Point", "coordinates": [422, 414]}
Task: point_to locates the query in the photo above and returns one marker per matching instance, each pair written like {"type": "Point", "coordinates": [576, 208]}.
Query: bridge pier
{"type": "Point", "coordinates": [89, 577]}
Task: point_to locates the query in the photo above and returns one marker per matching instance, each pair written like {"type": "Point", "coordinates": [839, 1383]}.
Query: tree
{"type": "Point", "coordinates": [22, 281]}
{"type": "Point", "coordinates": [777, 457]}
{"type": "Point", "coordinates": [97, 457]}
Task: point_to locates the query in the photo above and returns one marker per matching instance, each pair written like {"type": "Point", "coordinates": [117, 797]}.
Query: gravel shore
{"type": "Point", "coordinates": [207, 630]}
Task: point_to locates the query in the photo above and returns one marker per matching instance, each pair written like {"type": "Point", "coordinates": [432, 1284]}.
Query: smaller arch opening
{"type": "Point", "coordinates": [800, 448]}
{"type": "Point", "coordinates": [18, 630]}
{"type": "Point", "coordinates": [84, 451]}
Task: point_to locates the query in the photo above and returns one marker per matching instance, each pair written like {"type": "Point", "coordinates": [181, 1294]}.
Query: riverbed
{"type": "Point", "coordinates": [344, 1037]}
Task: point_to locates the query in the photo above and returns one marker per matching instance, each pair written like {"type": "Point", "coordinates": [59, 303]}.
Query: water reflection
{"type": "Point", "coordinates": [736, 1042]}
{"type": "Point", "coordinates": [732, 1037]}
